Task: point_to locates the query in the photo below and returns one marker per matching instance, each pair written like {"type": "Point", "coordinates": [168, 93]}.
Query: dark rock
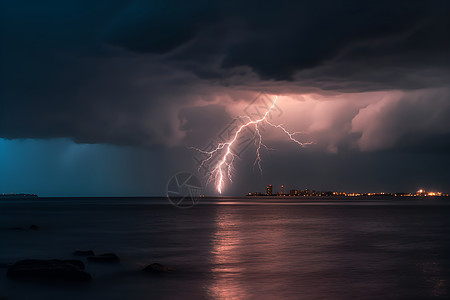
{"type": "Point", "coordinates": [156, 268]}
{"type": "Point", "coordinates": [107, 258]}
{"type": "Point", "coordinates": [76, 262]}
{"type": "Point", "coordinates": [33, 227]}
{"type": "Point", "coordinates": [84, 253]}
{"type": "Point", "coordinates": [49, 270]}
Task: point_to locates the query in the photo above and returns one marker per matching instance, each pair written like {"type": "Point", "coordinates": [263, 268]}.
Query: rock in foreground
{"type": "Point", "coordinates": [107, 258]}
{"type": "Point", "coordinates": [33, 227]}
{"type": "Point", "coordinates": [156, 268]}
{"type": "Point", "coordinates": [50, 270]}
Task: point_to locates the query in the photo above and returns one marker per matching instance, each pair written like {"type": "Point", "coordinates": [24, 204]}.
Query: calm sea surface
{"type": "Point", "coordinates": [235, 248]}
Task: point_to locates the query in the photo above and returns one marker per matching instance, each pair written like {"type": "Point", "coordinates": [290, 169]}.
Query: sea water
{"type": "Point", "coordinates": [235, 248]}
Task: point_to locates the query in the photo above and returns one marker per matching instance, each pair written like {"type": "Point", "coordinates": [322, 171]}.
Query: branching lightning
{"type": "Point", "coordinates": [224, 167]}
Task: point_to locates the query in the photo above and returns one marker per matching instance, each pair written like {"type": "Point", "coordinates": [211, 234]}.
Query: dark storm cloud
{"type": "Point", "coordinates": [278, 39]}
{"type": "Point", "coordinates": [277, 43]}
{"type": "Point", "coordinates": [131, 72]}
{"type": "Point", "coordinates": [159, 26]}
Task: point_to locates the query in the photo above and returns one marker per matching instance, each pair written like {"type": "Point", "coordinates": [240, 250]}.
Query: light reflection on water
{"type": "Point", "coordinates": [226, 246]}
{"type": "Point", "coordinates": [259, 255]}
{"type": "Point", "coordinates": [338, 253]}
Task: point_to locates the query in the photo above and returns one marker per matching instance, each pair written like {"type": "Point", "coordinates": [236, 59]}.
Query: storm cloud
{"type": "Point", "coordinates": [144, 73]}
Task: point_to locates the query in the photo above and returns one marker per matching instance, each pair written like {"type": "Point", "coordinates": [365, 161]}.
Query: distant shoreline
{"type": "Point", "coordinates": [18, 196]}
{"type": "Point", "coordinates": [347, 195]}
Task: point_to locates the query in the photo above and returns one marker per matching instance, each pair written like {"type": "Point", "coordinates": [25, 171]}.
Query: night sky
{"type": "Point", "coordinates": [104, 98]}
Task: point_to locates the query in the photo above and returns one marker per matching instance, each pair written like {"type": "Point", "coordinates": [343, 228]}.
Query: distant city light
{"type": "Point", "coordinates": [314, 193]}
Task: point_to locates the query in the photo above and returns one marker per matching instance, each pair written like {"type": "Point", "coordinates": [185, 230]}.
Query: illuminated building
{"type": "Point", "coordinates": [293, 192]}
{"type": "Point", "coordinates": [269, 190]}
{"type": "Point", "coordinates": [421, 192]}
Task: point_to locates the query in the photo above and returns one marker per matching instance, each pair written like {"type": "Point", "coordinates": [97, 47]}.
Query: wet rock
{"type": "Point", "coordinates": [33, 227]}
{"type": "Point", "coordinates": [156, 268]}
{"type": "Point", "coordinates": [49, 270]}
{"type": "Point", "coordinates": [84, 253]}
{"type": "Point", "coordinates": [76, 262]}
{"type": "Point", "coordinates": [106, 258]}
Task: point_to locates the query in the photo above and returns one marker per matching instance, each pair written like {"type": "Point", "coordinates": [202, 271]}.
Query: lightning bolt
{"type": "Point", "coordinates": [224, 167]}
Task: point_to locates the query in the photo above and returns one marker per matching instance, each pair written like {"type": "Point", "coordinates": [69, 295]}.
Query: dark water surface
{"type": "Point", "coordinates": [235, 248]}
